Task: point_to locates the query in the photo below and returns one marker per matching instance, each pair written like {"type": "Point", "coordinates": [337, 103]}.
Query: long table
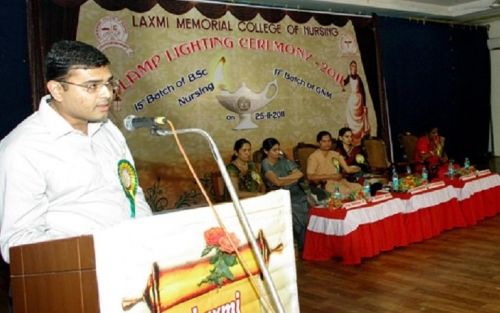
{"type": "Point", "coordinates": [368, 230]}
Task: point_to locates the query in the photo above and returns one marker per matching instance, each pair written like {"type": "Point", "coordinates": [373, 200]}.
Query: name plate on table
{"type": "Point", "coordinates": [435, 184]}
{"type": "Point", "coordinates": [354, 204]}
{"type": "Point", "coordinates": [468, 177]}
{"type": "Point", "coordinates": [381, 197]}
{"type": "Point", "coordinates": [417, 189]}
{"type": "Point", "coordinates": [483, 173]}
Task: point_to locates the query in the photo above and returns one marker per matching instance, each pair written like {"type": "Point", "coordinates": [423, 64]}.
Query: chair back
{"type": "Point", "coordinates": [408, 142]}
{"type": "Point", "coordinates": [376, 153]}
{"type": "Point", "coordinates": [218, 187]}
{"type": "Point", "coordinates": [301, 153]}
{"type": "Point", "coordinates": [257, 157]}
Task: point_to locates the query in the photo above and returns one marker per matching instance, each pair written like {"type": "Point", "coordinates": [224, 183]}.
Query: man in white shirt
{"type": "Point", "coordinates": [66, 170]}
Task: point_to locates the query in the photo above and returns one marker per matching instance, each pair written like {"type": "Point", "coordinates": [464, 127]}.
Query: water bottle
{"type": "Point", "coordinates": [395, 180]}
{"type": "Point", "coordinates": [466, 163]}
{"type": "Point", "coordinates": [366, 189]}
{"type": "Point", "coordinates": [425, 173]}
{"type": "Point", "coordinates": [337, 195]}
{"type": "Point", "coordinates": [451, 169]}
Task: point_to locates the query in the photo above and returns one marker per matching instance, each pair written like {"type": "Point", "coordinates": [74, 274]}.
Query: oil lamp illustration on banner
{"type": "Point", "coordinates": [243, 101]}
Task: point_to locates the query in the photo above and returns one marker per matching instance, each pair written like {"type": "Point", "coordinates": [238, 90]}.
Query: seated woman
{"type": "Point", "coordinates": [243, 172]}
{"type": "Point", "coordinates": [353, 155]}
{"type": "Point", "coordinates": [429, 151]}
{"type": "Point", "coordinates": [279, 172]}
{"type": "Point", "coordinates": [325, 164]}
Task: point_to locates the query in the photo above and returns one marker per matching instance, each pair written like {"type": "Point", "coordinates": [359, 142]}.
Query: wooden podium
{"type": "Point", "coordinates": [55, 276]}
{"type": "Point", "coordinates": [161, 264]}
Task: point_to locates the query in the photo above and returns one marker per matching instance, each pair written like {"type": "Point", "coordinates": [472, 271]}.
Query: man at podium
{"type": "Point", "coordinates": [66, 170]}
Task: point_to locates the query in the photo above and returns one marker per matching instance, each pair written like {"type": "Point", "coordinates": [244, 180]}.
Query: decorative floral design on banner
{"type": "Point", "coordinates": [129, 182]}
{"type": "Point", "coordinates": [223, 259]}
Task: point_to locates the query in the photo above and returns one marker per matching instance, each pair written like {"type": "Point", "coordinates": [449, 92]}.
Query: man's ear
{"type": "Point", "coordinates": [56, 89]}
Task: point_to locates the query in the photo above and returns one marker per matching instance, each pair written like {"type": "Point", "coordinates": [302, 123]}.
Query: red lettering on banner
{"type": "Point", "coordinates": [229, 307]}
{"type": "Point", "coordinates": [198, 45]}
{"type": "Point", "coordinates": [272, 45]}
{"type": "Point", "coordinates": [132, 76]}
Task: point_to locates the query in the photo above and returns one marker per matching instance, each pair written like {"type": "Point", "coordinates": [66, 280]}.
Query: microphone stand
{"type": "Point", "coordinates": [237, 205]}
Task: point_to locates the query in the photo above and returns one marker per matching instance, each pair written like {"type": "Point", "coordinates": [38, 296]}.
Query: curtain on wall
{"type": "Point", "coordinates": [438, 74]}
{"type": "Point", "coordinates": [15, 104]}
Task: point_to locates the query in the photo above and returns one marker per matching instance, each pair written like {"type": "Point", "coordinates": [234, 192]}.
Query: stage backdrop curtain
{"type": "Point", "coordinates": [439, 74]}
{"type": "Point", "coordinates": [16, 99]}
{"type": "Point", "coordinates": [48, 22]}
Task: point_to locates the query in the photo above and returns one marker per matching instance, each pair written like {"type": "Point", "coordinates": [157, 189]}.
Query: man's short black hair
{"type": "Point", "coordinates": [66, 55]}
{"type": "Point", "coordinates": [321, 134]}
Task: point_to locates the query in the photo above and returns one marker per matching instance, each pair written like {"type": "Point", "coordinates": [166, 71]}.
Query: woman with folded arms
{"type": "Point", "coordinates": [281, 173]}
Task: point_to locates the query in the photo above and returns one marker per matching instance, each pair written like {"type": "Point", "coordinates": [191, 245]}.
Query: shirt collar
{"type": "Point", "coordinates": [57, 125]}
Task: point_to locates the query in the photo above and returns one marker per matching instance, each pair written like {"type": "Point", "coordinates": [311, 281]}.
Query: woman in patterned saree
{"type": "Point", "coordinates": [243, 172]}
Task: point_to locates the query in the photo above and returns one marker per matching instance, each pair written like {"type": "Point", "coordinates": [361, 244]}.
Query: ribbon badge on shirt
{"type": "Point", "coordinates": [336, 164]}
{"type": "Point", "coordinates": [129, 182]}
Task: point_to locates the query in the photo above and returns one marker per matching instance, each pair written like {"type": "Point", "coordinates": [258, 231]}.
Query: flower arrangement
{"type": "Point", "coordinates": [461, 171]}
{"type": "Point", "coordinates": [353, 196]}
{"type": "Point", "coordinates": [224, 257]}
{"type": "Point", "coordinates": [410, 181]}
{"type": "Point", "coordinates": [334, 203]}
{"type": "Point", "coordinates": [356, 195]}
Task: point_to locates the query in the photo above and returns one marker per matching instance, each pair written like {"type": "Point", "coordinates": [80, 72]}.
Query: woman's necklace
{"type": "Point", "coordinates": [243, 166]}
{"type": "Point", "coordinates": [348, 150]}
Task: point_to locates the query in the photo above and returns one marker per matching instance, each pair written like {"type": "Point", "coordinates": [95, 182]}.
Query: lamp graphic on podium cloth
{"type": "Point", "coordinates": [243, 101]}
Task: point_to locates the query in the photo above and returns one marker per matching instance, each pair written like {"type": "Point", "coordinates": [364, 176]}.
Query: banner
{"type": "Point", "coordinates": [181, 261]}
{"type": "Point", "coordinates": [235, 79]}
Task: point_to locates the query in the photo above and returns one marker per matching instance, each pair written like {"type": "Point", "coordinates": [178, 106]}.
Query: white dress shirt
{"type": "Point", "coordinates": [56, 181]}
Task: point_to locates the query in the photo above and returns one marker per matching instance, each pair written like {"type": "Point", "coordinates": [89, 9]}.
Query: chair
{"type": "Point", "coordinates": [301, 153]}
{"type": "Point", "coordinates": [218, 187]}
{"type": "Point", "coordinates": [257, 158]}
{"type": "Point", "coordinates": [407, 142]}
{"type": "Point", "coordinates": [376, 154]}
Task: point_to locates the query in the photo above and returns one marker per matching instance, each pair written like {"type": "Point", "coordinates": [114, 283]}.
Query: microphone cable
{"type": "Point", "coordinates": [245, 266]}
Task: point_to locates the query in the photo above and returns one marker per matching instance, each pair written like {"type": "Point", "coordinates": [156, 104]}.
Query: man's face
{"type": "Point", "coordinates": [79, 104]}
{"type": "Point", "coordinates": [325, 143]}
{"type": "Point", "coordinates": [354, 68]}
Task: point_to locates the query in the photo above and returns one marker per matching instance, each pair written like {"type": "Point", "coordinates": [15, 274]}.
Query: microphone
{"type": "Point", "coordinates": [133, 122]}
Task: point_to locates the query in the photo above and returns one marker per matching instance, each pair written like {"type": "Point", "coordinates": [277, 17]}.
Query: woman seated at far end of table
{"type": "Point", "coordinates": [243, 172]}
{"type": "Point", "coordinates": [429, 151]}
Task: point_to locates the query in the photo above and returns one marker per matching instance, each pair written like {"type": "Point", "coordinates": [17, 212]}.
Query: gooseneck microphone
{"type": "Point", "coordinates": [133, 122]}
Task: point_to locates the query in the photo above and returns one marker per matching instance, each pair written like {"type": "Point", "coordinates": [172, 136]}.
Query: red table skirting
{"type": "Point", "coordinates": [481, 205]}
{"type": "Point", "coordinates": [366, 241]}
{"type": "Point", "coordinates": [401, 229]}
{"type": "Point", "coordinates": [430, 222]}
